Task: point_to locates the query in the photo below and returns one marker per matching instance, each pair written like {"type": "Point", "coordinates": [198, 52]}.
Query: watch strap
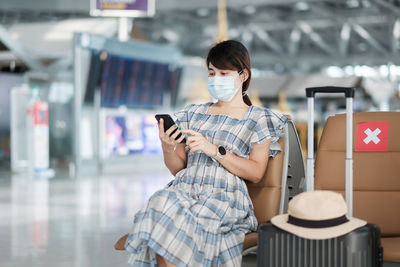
{"type": "Point", "coordinates": [219, 155]}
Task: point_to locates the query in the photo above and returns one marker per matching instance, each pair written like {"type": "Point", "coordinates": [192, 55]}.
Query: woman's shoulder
{"type": "Point", "coordinates": [259, 112]}
{"type": "Point", "coordinates": [198, 108]}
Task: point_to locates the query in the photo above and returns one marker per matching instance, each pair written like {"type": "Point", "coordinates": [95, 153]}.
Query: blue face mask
{"type": "Point", "coordinates": [222, 87]}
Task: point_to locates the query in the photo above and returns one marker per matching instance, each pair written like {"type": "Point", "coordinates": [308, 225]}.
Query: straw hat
{"type": "Point", "coordinates": [317, 215]}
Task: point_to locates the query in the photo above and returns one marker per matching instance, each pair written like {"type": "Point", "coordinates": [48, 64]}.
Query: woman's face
{"type": "Point", "coordinates": [214, 71]}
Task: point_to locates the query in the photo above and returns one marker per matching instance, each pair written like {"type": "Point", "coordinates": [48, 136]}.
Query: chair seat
{"type": "Point", "coordinates": [391, 248]}
{"type": "Point", "coordinates": [120, 245]}
{"type": "Point", "coordinates": [250, 240]}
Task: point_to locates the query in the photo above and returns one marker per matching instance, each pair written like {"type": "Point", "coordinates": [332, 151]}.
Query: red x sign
{"type": "Point", "coordinates": [372, 136]}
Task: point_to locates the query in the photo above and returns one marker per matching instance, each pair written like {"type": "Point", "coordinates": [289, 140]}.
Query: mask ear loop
{"type": "Point", "coordinates": [243, 92]}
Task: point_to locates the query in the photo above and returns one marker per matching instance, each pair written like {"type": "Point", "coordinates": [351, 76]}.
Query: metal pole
{"type": "Point", "coordinates": [123, 29]}
{"type": "Point", "coordinates": [97, 132]}
{"type": "Point", "coordinates": [77, 110]}
{"type": "Point", "coordinates": [310, 145]}
{"type": "Point", "coordinates": [349, 155]}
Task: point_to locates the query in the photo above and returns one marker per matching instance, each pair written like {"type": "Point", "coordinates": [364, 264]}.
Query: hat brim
{"type": "Point", "coordinates": [281, 221]}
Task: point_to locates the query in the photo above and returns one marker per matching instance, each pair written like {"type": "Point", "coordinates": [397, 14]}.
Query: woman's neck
{"type": "Point", "coordinates": [231, 104]}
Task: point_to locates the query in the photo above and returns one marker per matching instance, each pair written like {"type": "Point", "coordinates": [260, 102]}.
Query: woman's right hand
{"type": "Point", "coordinates": [168, 141]}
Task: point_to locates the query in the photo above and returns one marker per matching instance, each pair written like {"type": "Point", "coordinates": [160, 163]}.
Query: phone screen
{"type": "Point", "coordinates": [168, 123]}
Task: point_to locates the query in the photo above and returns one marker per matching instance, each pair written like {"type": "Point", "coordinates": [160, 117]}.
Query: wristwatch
{"type": "Point", "coordinates": [221, 152]}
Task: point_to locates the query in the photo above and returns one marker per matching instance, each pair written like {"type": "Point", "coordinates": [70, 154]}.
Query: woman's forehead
{"type": "Point", "coordinates": [212, 67]}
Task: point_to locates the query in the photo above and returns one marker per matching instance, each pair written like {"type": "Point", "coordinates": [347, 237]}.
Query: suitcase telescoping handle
{"type": "Point", "coordinates": [348, 91]}
{"type": "Point", "coordinates": [349, 94]}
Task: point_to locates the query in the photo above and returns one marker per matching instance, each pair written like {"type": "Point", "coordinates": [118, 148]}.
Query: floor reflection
{"type": "Point", "coordinates": [29, 207]}
{"type": "Point", "coordinates": [70, 222]}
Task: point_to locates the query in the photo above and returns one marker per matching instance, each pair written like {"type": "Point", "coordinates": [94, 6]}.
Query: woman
{"type": "Point", "coordinates": [202, 216]}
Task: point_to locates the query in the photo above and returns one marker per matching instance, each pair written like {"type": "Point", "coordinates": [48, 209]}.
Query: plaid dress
{"type": "Point", "coordinates": [202, 216]}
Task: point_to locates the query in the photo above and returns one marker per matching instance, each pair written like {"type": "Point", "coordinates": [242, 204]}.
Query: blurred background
{"type": "Point", "coordinates": [81, 81]}
{"type": "Point", "coordinates": [141, 60]}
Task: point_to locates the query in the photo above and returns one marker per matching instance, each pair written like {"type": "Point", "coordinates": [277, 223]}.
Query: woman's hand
{"type": "Point", "coordinates": [197, 142]}
{"type": "Point", "coordinates": [167, 139]}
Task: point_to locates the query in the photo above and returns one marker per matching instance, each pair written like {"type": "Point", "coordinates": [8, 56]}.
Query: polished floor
{"type": "Point", "coordinates": [64, 222]}
{"type": "Point", "coordinates": [70, 222]}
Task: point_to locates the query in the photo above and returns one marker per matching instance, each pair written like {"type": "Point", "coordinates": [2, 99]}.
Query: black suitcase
{"type": "Point", "coordinates": [359, 248]}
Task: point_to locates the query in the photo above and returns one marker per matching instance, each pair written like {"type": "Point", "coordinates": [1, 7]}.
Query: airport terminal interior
{"type": "Point", "coordinates": [82, 80]}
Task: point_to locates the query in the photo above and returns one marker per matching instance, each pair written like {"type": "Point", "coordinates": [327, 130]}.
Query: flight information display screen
{"type": "Point", "coordinates": [137, 83]}
{"type": "Point", "coordinates": [122, 8]}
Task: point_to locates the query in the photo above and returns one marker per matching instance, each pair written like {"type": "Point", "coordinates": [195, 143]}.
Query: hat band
{"type": "Point", "coordinates": [317, 224]}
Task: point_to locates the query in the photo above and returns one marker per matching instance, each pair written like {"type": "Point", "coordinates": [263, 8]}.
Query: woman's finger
{"type": "Point", "coordinates": [194, 138]}
{"type": "Point", "coordinates": [164, 135]}
{"type": "Point", "coordinates": [195, 143]}
{"type": "Point", "coordinates": [195, 148]}
{"type": "Point", "coordinates": [180, 139]}
{"type": "Point", "coordinates": [161, 126]}
{"type": "Point", "coordinates": [175, 134]}
{"type": "Point", "coordinates": [191, 132]}
{"type": "Point", "coordinates": [171, 129]}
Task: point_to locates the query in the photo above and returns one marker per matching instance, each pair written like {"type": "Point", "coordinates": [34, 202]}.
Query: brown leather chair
{"type": "Point", "coordinates": [376, 175]}
{"type": "Point", "coordinates": [266, 194]}
{"type": "Point", "coordinates": [283, 179]}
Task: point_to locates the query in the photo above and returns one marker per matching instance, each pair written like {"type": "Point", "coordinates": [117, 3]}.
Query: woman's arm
{"type": "Point", "coordinates": [251, 169]}
{"type": "Point", "coordinates": [174, 153]}
{"type": "Point", "coordinates": [175, 160]}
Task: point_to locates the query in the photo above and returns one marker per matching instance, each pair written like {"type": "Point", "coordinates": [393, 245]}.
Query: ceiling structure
{"type": "Point", "coordinates": [281, 35]}
{"type": "Point", "coordinates": [286, 35]}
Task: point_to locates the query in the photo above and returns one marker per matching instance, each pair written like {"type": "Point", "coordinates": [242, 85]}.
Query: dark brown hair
{"type": "Point", "coordinates": [231, 55]}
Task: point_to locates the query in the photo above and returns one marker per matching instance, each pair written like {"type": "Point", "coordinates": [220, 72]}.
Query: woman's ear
{"type": "Point", "coordinates": [244, 76]}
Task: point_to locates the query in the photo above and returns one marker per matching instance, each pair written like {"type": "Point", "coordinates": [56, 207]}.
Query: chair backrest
{"type": "Point", "coordinates": [282, 179]}
{"type": "Point", "coordinates": [376, 179]}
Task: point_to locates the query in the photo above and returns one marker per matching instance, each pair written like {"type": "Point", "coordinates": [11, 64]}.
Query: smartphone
{"type": "Point", "coordinates": [168, 123]}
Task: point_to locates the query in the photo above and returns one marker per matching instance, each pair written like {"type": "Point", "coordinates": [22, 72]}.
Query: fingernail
{"type": "Point", "coordinates": [180, 128]}
{"type": "Point", "coordinates": [175, 126]}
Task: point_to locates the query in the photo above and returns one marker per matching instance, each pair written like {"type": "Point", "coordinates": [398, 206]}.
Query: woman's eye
{"type": "Point", "coordinates": [210, 74]}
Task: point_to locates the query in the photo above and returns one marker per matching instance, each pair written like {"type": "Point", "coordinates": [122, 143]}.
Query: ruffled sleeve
{"type": "Point", "coordinates": [183, 117]}
{"type": "Point", "coordinates": [270, 125]}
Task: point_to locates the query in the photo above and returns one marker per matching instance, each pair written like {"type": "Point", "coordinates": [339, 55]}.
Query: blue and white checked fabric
{"type": "Point", "coordinates": [202, 216]}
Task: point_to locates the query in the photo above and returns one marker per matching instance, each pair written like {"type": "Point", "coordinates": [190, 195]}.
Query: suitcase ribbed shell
{"type": "Point", "coordinates": [359, 248]}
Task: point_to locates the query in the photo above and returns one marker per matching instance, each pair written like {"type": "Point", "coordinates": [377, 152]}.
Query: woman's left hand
{"type": "Point", "coordinates": [197, 142]}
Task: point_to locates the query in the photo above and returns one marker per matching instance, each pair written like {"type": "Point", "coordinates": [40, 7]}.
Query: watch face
{"type": "Point", "coordinates": [221, 150]}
